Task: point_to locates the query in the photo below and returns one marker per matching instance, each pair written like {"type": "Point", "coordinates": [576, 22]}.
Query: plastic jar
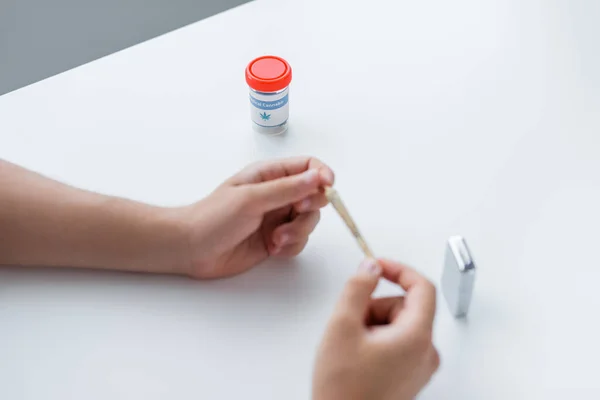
{"type": "Point", "coordinates": [269, 78]}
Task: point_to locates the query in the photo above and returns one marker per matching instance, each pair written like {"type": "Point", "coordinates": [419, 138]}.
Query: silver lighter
{"type": "Point", "coordinates": [458, 277]}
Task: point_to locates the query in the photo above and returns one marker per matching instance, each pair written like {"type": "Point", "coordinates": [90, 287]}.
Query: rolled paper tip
{"type": "Point", "coordinates": [329, 192]}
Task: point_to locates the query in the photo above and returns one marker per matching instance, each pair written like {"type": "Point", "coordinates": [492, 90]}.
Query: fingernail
{"type": "Point", "coordinates": [305, 205]}
{"type": "Point", "coordinates": [276, 250]}
{"type": "Point", "coordinates": [310, 175]}
{"type": "Point", "coordinates": [370, 266]}
{"type": "Point", "coordinates": [284, 239]}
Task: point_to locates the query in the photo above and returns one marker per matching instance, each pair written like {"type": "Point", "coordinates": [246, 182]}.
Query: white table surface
{"type": "Point", "coordinates": [464, 117]}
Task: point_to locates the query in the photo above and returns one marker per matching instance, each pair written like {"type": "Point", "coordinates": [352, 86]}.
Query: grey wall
{"type": "Point", "coordinates": [40, 38]}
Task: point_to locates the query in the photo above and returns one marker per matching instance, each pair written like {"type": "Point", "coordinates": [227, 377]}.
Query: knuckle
{"type": "Point", "coordinates": [252, 173]}
{"type": "Point", "coordinates": [296, 250]}
{"type": "Point", "coordinates": [315, 162]}
{"type": "Point", "coordinates": [254, 166]}
{"type": "Point", "coordinates": [435, 359]}
{"type": "Point", "coordinates": [429, 288]}
{"type": "Point", "coordinates": [423, 281]}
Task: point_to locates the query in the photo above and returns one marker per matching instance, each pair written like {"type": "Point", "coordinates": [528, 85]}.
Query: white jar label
{"type": "Point", "coordinates": [269, 109]}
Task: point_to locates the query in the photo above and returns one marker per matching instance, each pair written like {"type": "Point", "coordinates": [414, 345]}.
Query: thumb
{"type": "Point", "coordinates": [277, 193]}
{"type": "Point", "coordinates": [357, 292]}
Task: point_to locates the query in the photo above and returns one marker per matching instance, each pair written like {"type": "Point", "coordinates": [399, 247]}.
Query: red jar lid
{"type": "Point", "coordinates": [268, 74]}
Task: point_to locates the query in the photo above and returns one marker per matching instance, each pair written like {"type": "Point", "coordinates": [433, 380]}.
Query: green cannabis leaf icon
{"type": "Point", "coordinates": [265, 116]}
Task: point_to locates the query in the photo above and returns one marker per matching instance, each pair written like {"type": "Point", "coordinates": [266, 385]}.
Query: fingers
{"type": "Point", "coordinates": [420, 298]}
{"type": "Point", "coordinates": [267, 196]}
{"type": "Point", "coordinates": [297, 230]}
{"type": "Point", "coordinates": [326, 173]}
{"type": "Point", "coordinates": [356, 295]}
{"type": "Point", "coordinates": [274, 169]}
{"type": "Point", "coordinates": [384, 310]}
{"type": "Point", "coordinates": [291, 250]}
{"type": "Point", "coordinates": [311, 203]}
{"type": "Point", "coordinates": [274, 184]}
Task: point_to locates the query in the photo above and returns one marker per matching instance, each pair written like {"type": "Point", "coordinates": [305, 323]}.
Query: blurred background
{"type": "Point", "coordinates": [41, 38]}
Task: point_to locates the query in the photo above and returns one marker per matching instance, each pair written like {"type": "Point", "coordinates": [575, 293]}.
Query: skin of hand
{"type": "Point", "coordinates": [268, 209]}
{"type": "Point", "coordinates": [378, 349]}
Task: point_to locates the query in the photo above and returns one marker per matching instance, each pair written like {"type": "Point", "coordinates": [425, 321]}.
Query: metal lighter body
{"type": "Point", "coordinates": [458, 277]}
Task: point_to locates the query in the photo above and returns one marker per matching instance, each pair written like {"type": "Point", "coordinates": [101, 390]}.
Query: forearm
{"type": "Point", "coordinates": [46, 223]}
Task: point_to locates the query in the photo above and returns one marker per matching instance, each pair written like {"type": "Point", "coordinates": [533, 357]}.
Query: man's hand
{"type": "Point", "coordinates": [378, 349]}
{"type": "Point", "coordinates": [268, 209]}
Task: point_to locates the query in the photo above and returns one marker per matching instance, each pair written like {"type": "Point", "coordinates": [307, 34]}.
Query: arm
{"type": "Point", "coordinates": [268, 209]}
{"type": "Point", "coordinates": [44, 222]}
